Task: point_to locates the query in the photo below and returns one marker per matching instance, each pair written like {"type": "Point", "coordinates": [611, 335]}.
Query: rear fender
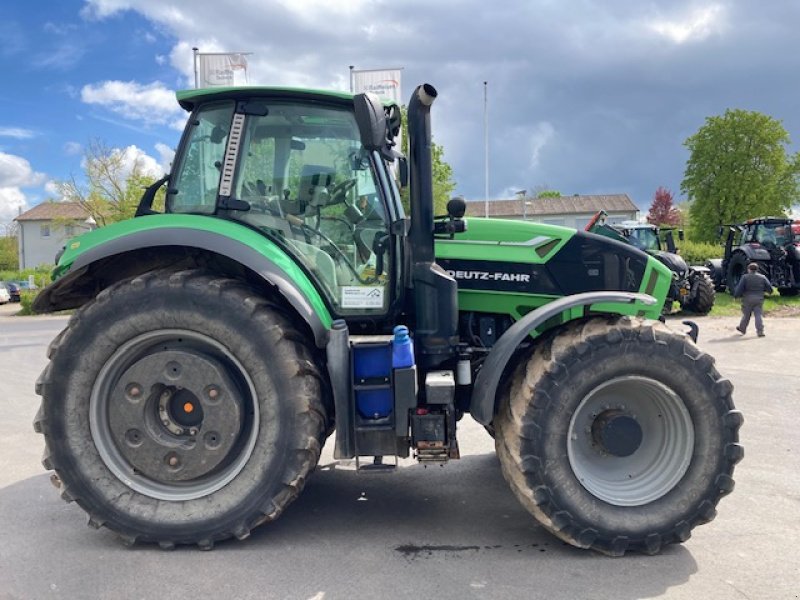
{"type": "Point", "coordinates": [483, 404]}
{"type": "Point", "coordinates": [91, 270]}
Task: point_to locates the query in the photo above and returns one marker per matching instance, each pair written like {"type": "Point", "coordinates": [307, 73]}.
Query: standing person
{"type": "Point", "coordinates": [751, 289]}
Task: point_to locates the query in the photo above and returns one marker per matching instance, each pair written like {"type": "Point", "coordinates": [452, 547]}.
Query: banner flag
{"type": "Point", "coordinates": [383, 82]}
{"type": "Point", "coordinates": [222, 69]}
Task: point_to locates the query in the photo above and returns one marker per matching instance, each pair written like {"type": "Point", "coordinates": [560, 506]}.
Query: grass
{"type": "Point", "coordinates": [726, 305]}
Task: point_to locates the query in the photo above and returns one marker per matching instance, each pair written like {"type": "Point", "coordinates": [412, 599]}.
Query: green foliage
{"type": "Point", "coordinates": [697, 253]}
{"type": "Point", "coordinates": [738, 169]}
{"type": "Point", "coordinates": [26, 303]}
{"type": "Point", "coordinates": [113, 187]}
{"type": "Point", "coordinates": [9, 253]}
{"type": "Point", "coordinates": [726, 305]}
{"type": "Point", "coordinates": [41, 275]}
{"type": "Point", "coordinates": [549, 194]}
{"type": "Point", "coordinates": [443, 184]}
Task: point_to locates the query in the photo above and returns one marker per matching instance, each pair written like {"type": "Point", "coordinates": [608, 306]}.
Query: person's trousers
{"type": "Point", "coordinates": [752, 307]}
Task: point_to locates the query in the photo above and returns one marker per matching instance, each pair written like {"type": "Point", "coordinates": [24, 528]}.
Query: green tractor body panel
{"type": "Point", "coordinates": [205, 232]}
{"type": "Point", "coordinates": [513, 267]}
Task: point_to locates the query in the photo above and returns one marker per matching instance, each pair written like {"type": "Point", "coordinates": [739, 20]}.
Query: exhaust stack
{"type": "Point", "coordinates": [435, 292]}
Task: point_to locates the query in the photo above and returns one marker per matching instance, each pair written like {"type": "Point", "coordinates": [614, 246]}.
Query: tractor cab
{"type": "Point", "coordinates": [301, 177]}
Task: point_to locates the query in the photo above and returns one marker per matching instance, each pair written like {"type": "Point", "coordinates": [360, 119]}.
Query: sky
{"type": "Point", "coordinates": [583, 96]}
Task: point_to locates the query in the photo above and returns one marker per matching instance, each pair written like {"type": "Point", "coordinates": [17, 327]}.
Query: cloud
{"type": "Point", "coordinates": [16, 172]}
{"type": "Point", "coordinates": [697, 25]}
{"type": "Point", "coordinates": [165, 156]}
{"type": "Point", "coordinates": [542, 133]}
{"type": "Point", "coordinates": [11, 201]}
{"type": "Point", "coordinates": [132, 157]}
{"type": "Point", "coordinates": [17, 132]}
{"type": "Point", "coordinates": [62, 57]}
{"type": "Point", "coordinates": [152, 104]}
{"type": "Point", "coordinates": [73, 148]}
{"type": "Point", "coordinates": [589, 97]}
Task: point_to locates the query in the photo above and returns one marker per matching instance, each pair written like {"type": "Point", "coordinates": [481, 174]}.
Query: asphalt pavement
{"type": "Point", "coordinates": [438, 532]}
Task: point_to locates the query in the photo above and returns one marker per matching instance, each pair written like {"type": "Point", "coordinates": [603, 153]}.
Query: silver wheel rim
{"type": "Point", "coordinates": [144, 346]}
{"type": "Point", "coordinates": [660, 460]}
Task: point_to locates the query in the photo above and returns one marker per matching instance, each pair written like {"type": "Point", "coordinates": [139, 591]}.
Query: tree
{"type": "Point", "coordinates": [549, 194]}
{"type": "Point", "coordinates": [662, 211]}
{"type": "Point", "coordinates": [443, 184]}
{"type": "Point", "coordinates": [113, 185]}
{"type": "Point", "coordinates": [738, 168]}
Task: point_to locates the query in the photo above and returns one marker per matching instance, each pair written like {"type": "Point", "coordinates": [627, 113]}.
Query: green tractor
{"type": "Point", "coordinates": [218, 343]}
{"type": "Point", "coordinates": [691, 287]}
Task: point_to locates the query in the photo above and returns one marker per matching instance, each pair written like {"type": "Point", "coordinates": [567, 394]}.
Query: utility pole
{"type": "Point", "coordinates": [486, 148]}
{"type": "Point", "coordinates": [351, 77]}
{"type": "Point", "coordinates": [194, 57]}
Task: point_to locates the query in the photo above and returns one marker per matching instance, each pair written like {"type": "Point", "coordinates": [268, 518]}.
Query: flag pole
{"type": "Point", "coordinates": [351, 77]}
{"type": "Point", "coordinates": [486, 149]}
{"type": "Point", "coordinates": [194, 56]}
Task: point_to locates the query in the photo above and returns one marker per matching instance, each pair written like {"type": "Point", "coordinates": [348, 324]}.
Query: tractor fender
{"type": "Point", "coordinates": [754, 254]}
{"type": "Point", "coordinates": [71, 290]}
{"type": "Point", "coordinates": [700, 269]}
{"type": "Point", "coordinates": [483, 404]}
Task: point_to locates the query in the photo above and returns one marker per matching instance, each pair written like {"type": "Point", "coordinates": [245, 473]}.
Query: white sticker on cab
{"type": "Point", "coordinates": [362, 297]}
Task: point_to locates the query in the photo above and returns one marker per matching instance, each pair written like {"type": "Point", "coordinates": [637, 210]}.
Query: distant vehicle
{"type": "Point", "coordinates": [27, 286]}
{"type": "Point", "coordinates": [773, 243]}
{"type": "Point", "coordinates": [14, 291]}
{"type": "Point", "coordinates": [691, 286]}
{"type": "Point", "coordinates": [5, 296]}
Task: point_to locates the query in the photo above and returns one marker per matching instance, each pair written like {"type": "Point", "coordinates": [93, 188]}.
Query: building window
{"type": "Point", "coordinates": [45, 230]}
{"type": "Point", "coordinates": [69, 230]}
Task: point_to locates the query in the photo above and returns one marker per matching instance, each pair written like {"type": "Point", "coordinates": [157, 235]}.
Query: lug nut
{"type": "Point", "coordinates": [173, 461]}
{"type": "Point", "coordinates": [135, 391]}
{"type": "Point", "coordinates": [213, 393]}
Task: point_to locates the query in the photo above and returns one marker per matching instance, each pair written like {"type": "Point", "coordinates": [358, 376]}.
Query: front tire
{"type": "Point", "coordinates": [704, 298]}
{"type": "Point", "coordinates": [181, 408]}
{"type": "Point", "coordinates": [618, 435]}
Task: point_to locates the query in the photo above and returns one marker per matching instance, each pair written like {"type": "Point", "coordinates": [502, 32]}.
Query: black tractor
{"type": "Point", "coordinates": [766, 241]}
{"type": "Point", "coordinates": [691, 286]}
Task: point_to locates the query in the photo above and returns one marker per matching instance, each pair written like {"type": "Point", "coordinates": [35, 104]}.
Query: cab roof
{"type": "Point", "coordinates": [188, 99]}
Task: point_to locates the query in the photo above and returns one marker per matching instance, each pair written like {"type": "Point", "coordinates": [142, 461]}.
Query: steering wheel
{"type": "Point", "coordinates": [338, 192]}
{"type": "Point", "coordinates": [339, 252]}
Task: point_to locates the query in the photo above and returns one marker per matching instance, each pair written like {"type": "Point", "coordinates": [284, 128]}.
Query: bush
{"type": "Point", "coordinates": [697, 253]}
{"type": "Point", "coordinates": [25, 303]}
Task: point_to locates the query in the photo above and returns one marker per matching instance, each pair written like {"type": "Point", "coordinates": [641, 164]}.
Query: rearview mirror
{"type": "Point", "coordinates": [373, 125]}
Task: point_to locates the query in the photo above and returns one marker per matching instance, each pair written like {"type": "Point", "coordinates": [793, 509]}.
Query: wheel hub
{"type": "Point", "coordinates": [617, 433]}
{"type": "Point", "coordinates": [175, 415]}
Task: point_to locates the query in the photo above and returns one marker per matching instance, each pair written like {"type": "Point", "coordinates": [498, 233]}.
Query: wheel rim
{"type": "Point", "coordinates": [602, 445]}
{"type": "Point", "coordinates": [173, 415]}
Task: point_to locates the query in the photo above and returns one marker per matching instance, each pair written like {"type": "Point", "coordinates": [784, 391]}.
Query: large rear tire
{"type": "Point", "coordinates": [618, 435]}
{"type": "Point", "coordinates": [181, 408]}
{"type": "Point", "coordinates": [737, 267]}
{"type": "Point", "coordinates": [704, 299]}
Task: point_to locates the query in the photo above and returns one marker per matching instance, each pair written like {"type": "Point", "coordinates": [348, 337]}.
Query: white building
{"type": "Point", "coordinates": [45, 229]}
{"type": "Point", "coordinates": [567, 211]}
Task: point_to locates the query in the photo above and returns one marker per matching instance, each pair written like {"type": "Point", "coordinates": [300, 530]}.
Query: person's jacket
{"type": "Point", "coordinates": [752, 287]}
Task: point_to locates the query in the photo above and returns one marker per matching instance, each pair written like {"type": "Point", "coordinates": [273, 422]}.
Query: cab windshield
{"type": "Point", "coordinates": [644, 239]}
{"type": "Point", "coordinates": [302, 178]}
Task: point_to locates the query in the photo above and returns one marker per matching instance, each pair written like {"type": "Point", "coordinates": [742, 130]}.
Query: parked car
{"type": "Point", "coordinates": [4, 295]}
{"type": "Point", "coordinates": [27, 287]}
{"type": "Point", "coordinates": [13, 291]}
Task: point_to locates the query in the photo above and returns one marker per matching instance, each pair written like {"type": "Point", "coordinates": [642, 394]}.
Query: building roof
{"type": "Point", "coordinates": [610, 203]}
{"type": "Point", "coordinates": [50, 211]}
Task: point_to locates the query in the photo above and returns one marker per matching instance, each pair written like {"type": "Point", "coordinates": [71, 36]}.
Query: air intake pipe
{"type": "Point", "coordinates": [435, 292]}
